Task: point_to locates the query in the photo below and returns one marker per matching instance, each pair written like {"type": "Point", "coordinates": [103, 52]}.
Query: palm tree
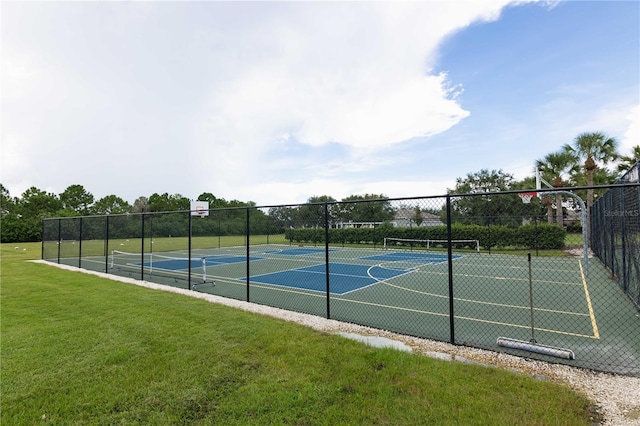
{"type": "Point", "coordinates": [554, 167]}
{"type": "Point", "coordinates": [594, 149]}
{"type": "Point", "coordinates": [627, 162]}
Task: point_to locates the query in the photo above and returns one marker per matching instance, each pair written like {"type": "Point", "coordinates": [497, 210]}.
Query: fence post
{"type": "Point", "coordinates": [219, 229]}
{"type": "Point", "coordinates": [142, 249]}
{"type": "Point", "coordinates": [612, 236]}
{"type": "Point", "coordinates": [106, 244]}
{"type": "Point", "coordinates": [248, 269]}
{"type": "Point", "coordinates": [452, 339]}
{"type": "Point", "coordinates": [326, 254]}
{"type": "Point", "coordinates": [42, 243]}
{"type": "Point", "coordinates": [80, 245]}
{"type": "Point", "coordinates": [189, 249]}
{"type": "Point", "coordinates": [535, 222]}
{"type": "Point", "coordinates": [59, 238]}
{"type": "Point", "coordinates": [624, 237]}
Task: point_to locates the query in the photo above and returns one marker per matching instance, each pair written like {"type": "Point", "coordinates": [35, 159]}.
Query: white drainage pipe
{"type": "Point", "coordinates": [535, 347]}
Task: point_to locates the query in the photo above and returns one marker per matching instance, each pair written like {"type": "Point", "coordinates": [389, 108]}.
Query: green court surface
{"type": "Point", "coordinates": [575, 306]}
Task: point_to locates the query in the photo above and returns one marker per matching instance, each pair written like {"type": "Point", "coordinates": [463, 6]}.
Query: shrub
{"type": "Point", "coordinates": [540, 236]}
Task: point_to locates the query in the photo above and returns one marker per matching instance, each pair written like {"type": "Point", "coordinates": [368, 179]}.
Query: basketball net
{"type": "Point", "coordinates": [527, 196]}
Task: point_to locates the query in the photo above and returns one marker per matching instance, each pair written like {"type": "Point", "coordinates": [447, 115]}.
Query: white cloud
{"type": "Point", "coordinates": [15, 164]}
{"type": "Point", "coordinates": [270, 102]}
{"type": "Point", "coordinates": [347, 73]}
{"type": "Point", "coordinates": [353, 74]}
{"type": "Point", "coordinates": [283, 192]}
{"type": "Point", "coordinates": [631, 136]}
{"type": "Point", "coordinates": [20, 77]}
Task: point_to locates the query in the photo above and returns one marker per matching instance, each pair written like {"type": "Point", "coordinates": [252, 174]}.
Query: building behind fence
{"type": "Point", "coordinates": [467, 269]}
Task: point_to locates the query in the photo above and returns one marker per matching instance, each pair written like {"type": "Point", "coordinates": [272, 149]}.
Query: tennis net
{"type": "Point", "coordinates": [390, 243]}
{"type": "Point", "coordinates": [153, 263]}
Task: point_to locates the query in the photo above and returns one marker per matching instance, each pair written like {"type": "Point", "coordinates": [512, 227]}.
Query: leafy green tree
{"type": "Point", "coordinates": [260, 223]}
{"type": "Point", "coordinates": [38, 203]}
{"type": "Point", "coordinates": [111, 204]}
{"type": "Point", "coordinates": [555, 168]}
{"type": "Point", "coordinates": [311, 214]}
{"type": "Point", "coordinates": [7, 203]}
{"type": "Point", "coordinates": [628, 161]}
{"type": "Point", "coordinates": [229, 217]}
{"type": "Point", "coordinates": [76, 199]}
{"type": "Point", "coordinates": [283, 217]}
{"type": "Point", "coordinates": [486, 209]}
{"type": "Point", "coordinates": [168, 203]}
{"type": "Point", "coordinates": [24, 221]}
{"type": "Point", "coordinates": [238, 203]}
{"type": "Point", "coordinates": [592, 151]}
{"type": "Point", "coordinates": [366, 208]}
{"type": "Point", "coordinates": [141, 205]}
{"type": "Point", "coordinates": [8, 216]}
{"type": "Point", "coordinates": [601, 176]}
{"type": "Point", "coordinates": [208, 197]}
{"type": "Point", "coordinates": [528, 184]}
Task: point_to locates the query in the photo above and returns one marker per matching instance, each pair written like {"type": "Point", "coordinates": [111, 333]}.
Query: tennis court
{"type": "Point", "coordinates": [344, 278]}
{"type": "Point", "coordinates": [552, 300]}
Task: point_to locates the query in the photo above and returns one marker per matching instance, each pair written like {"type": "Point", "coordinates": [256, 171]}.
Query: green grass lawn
{"type": "Point", "coordinates": [574, 239]}
{"type": "Point", "coordinates": [79, 349]}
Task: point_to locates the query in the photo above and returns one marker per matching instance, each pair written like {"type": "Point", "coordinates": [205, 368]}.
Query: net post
{"type": "Point", "coordinates": [42, 229]}
{"type": "Point", "coordinates": [142, 250]}
{"type": "Point", "coordinates": [533, 338]}
{"type": "Point", "coordinates": [452, 339]}
{"type": "Point", "coordinates": [189, 250]}
{"type": "Point", "coordinates": [248, 238]}
{"type": "Point", "coordinates": [326, 257]}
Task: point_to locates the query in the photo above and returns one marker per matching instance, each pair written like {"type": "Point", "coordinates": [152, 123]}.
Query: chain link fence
{"type": "Point", "coordinates": [616, 233]}
{"type": "Point", "coordinates": [484, 270]}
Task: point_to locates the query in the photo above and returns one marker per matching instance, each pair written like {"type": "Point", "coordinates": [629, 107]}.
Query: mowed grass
{"type": "Point", "coordinates": [79, 349]}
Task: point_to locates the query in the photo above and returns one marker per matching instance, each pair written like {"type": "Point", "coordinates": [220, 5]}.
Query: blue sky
{"type": "Point", "coordinates": [276, 102]}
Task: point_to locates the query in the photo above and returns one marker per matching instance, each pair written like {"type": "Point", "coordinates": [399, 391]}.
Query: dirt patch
{"type": "Point", "coordinates": [576, 251]}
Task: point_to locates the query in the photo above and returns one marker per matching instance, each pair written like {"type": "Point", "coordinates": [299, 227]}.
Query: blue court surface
{"type": "Point", "coordinates": [343, 278]}
{"type": "Point", "coordinates": [183, 264]}
{"type": "Point", "coordinates": [412, 257]}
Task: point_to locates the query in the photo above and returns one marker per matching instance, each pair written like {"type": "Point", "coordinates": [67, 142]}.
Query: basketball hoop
{"type": "Point", "coordinates": [527, 196]}
{"type": "Point", "coordinates": [200, 208]}
{"type": "Point", "coordinates": [201, 211]}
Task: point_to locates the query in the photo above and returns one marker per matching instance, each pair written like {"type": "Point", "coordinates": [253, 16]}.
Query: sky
{"type": "Point", "coordinates": [278, 102]}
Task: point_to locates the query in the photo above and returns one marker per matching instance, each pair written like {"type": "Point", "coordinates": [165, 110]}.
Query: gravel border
{"type": "Point", "coordinates": [617, 397]}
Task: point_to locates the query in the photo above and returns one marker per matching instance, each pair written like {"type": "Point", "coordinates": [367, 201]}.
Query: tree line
{"type": "Point", "coordinates": [592, 159]}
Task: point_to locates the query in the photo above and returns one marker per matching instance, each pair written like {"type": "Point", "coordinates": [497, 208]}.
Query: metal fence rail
{"type": "Point", "coordinates": [469, 269]}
